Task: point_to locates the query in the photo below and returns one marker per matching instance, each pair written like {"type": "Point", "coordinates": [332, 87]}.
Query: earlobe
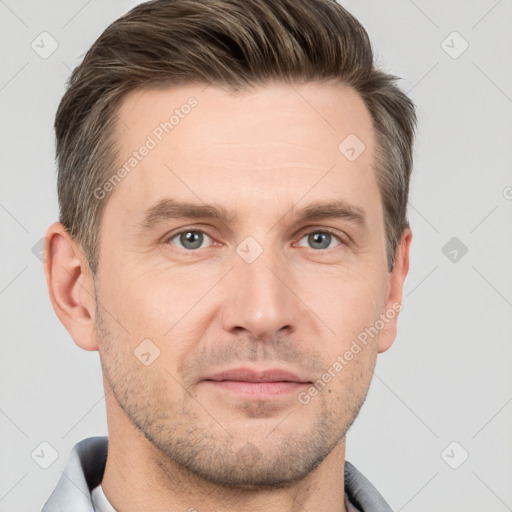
{"type": "Point", "coordinates": [70, 285]}
{"type": "Point", "coordinates": [393, 303]}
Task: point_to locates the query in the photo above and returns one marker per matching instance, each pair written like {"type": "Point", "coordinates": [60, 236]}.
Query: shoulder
{"type": "Point", "coordinates": [362, 493]}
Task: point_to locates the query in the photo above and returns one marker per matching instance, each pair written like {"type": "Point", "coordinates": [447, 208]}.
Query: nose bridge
{"type": "Point", "coordinates": [259, 300]}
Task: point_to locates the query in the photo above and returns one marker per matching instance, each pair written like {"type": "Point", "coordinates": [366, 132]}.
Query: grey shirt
{"type": "Point", "coordinates": [79, 488]}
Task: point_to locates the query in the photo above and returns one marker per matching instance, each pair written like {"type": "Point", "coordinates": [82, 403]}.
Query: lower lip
{"type": "Point", "coordinates": [258, 389]}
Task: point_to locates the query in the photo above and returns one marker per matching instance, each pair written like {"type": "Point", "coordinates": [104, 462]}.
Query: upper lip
{"type": "Point", "coordinates": [253, 375]}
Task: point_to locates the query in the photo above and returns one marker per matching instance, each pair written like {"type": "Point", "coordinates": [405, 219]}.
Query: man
{"type": "Point", "coordinates": [233, 240]}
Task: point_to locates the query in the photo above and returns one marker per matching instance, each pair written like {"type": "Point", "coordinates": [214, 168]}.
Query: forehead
{"type": "Point", "coordinates": [275, 142]}
{"type": "Point", "coordinates": [206, 115]}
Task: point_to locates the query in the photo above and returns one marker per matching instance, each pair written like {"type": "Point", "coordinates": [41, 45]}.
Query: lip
{"type": "Point", "coordinates": [257, 384]}
{"type": "Point", "coordinates": [256, 376]}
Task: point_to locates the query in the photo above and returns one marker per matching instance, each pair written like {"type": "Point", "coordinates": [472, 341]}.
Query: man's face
{"type": "Point", "coordinates": [258, 293]}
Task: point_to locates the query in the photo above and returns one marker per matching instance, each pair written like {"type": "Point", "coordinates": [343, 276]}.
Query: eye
{"type": "Point", "coordinates": [190, 239]}
{"type": "Point", "coordinates": [321, 239]}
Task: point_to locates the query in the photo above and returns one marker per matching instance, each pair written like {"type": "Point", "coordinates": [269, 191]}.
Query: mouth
{"type": "Point", "coordinates": [261, 384]}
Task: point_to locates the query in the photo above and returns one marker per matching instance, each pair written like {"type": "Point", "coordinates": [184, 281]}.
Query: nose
{"type": "Point", "coordinates": [261, 299]}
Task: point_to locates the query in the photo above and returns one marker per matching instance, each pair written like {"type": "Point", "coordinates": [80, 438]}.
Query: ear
{"type": "Point", "coordinates": [393, 300]}
{"type": "Point", "coordinates": [70, 285]}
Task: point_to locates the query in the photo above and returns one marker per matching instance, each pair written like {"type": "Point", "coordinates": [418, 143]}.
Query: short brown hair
{"type": "Point", "coordinates": [233, 44]}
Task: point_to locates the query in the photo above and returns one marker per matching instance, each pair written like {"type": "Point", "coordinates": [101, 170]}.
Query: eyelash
{"type": "Point", "coordinates": [340, 239]}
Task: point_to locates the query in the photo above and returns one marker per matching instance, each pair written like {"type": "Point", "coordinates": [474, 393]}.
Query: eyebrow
{"type": "Point", "coordinates": [173, 209]}
{"type": "Point", "coordinates": [169, 208]}
{"type": "Point", "coordinates": [320, 210]}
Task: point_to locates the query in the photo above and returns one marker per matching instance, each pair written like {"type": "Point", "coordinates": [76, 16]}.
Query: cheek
{"type": "Point", "coordinates": [344, 383]}
{"type": "Point", "coordinates": [347, 301]}
{"type": "Point", "coordinates": [349, 304]}
{"type": "Point", "coordinates": [353, 370]}
{"type": "Point", "coordinates": [149, 305]}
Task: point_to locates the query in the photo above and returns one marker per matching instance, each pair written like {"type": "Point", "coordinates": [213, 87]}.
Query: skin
{"type": "Point", "coordinates": [176, 441]}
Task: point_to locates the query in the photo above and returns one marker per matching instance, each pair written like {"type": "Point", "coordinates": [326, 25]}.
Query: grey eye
{"type": "Point", "coordinates": [191, 239]}
{"type": "Point", "coordinates": [320, 239]}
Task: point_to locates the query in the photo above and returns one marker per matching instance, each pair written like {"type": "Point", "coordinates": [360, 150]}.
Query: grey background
{"type": "Point", "coordinates": [448, 376]}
